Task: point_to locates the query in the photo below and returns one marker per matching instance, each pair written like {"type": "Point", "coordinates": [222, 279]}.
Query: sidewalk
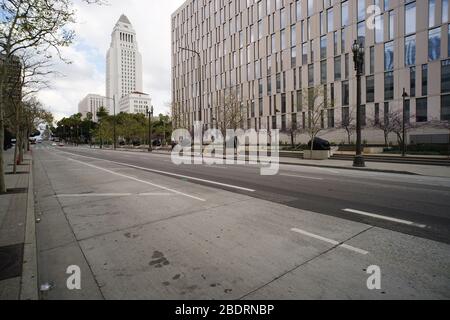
{"type": "Point", "coordinates": [18, 267]}
{"type": "Point", "coordinates": [399, 168]}
{"type": "Point", "coordinates": [396, 168]}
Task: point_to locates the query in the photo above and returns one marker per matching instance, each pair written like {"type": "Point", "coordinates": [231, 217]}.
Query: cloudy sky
{"type": "Point", "coordinates": [86, 73]}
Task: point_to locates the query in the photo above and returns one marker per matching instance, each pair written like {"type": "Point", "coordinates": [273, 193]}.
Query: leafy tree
{"type": "Point", "coordinates": [30, 27]}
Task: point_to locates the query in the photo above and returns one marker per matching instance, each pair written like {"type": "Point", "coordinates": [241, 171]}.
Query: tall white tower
{"type": "Point", "coordinates": [123, 63]}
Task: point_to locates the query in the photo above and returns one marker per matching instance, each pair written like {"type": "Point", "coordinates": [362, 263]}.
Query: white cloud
{"type": "Point", "coordinates": [151, 21]}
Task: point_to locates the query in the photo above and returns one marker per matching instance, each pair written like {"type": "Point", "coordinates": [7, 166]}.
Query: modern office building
{"type": "Point", "coordinates": [135, 102]}
{"type": "Point", "coordinates": [123, 63]}
{"type": "Point", "coordinates": [270, 53]}
{"type": "Point", "coordinates": [91, 104]}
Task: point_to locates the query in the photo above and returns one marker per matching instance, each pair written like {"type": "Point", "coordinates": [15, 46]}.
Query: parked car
{"type": "Point", "coordinates": [320, 144]}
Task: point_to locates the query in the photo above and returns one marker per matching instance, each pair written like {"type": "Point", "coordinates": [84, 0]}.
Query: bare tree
{"type": "Point", "coordinates": [348, 123]}
{"type": "Point", "coordinates": [37, 25]}
{"type": "Point", "coordinates": [231, 113]}
{"type": "Point", "coordinates": [393, 123]}
{"type": "Point", "coordinates": [317, 106]}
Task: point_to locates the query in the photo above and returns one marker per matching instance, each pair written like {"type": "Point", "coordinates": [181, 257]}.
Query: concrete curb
{"type": "Point", "coordinates": [29, 282]}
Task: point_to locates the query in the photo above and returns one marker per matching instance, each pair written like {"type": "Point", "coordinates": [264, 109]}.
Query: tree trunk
{"type": "Point", "coordinates": [22, 147]}
{"type": "Point", "coordinates": [386, 139]}
{"type": "Point", "coordinates": [2, 144]}
{"type": "Point", "coordinates": [16, 146]}
{"type": "Point", "coordinates": [2, 131]}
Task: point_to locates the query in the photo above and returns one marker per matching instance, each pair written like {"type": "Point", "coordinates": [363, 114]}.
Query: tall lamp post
{"type": "Point", "coordinates": [150, 115]}
{"type": "Point", "coordinates": [113, 99]}
{"type": "Point", "coordinates": [404, 146]}
{"type": "Point", "coordinates": [199, 116]}
{"type": "Point", "coordinates": [199, 79]}
{"type": "Point", "coordinates": [358, 58]}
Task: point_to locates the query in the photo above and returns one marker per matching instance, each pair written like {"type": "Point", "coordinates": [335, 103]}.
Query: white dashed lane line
{"type": "Point", "coordinates": [377, 216]}
{"type": "Point", "coordinates": [330, 241]}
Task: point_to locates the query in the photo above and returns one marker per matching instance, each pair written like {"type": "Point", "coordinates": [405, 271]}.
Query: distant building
{"type": "Point", "coordinates": [135, 102]}
{"type": "Point", "coordinates": [12, 90]}
{"type": "Point", "coordinates": [123, 63]}
{"type": "Point", "coordinates": [92, 103]}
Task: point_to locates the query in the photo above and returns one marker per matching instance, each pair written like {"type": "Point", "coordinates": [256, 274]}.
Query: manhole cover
{"type": "Point", "coordinates": [11, 259]}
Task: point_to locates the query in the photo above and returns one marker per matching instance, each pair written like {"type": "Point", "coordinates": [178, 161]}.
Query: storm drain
{"type": "Point", "coordinates": [11, 260]}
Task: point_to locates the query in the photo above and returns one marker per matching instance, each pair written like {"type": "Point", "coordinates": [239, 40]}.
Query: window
{"type": "Point", "coordinates": [345, 93]}
{"type": "Point", "coordinates": [346, 116]}
{"type": "Point", "coordinates": [311, 75]}
{"type": "Point", "coordinates": [344, 14]}
{"type": "Point", "coordinates": [323, 47]}
{"type": "Point", "coordinates": [323, 72]}
{"type": "Point", "coordinates": [389, 56]}
{"type": "Point", "coordinates": [337, 68]}
{"type": "Point", "coordinates": [407, 111]}
{"type": "Point", "coordinates": [410, 50]}
{"type": "Point", "coordinates": [362, 32]}
{"type": "Point", "coordinates": [389, 85]}
{"type": "Point", "coordinates": [370, 89]}
{"type": "Point", "coordinates": [424, 80]}
{"type": "Point", "coordinates": [379, 29]}
{"type": "Point", "coordinates": [377, 113]}
{"type": "Point", "coordinates": [444, 11]}
{"type": "Point", "coordinates": [445, 76]}
{"type": "Point", "coordinates": [293, 57]}
{"type": "Point", "coordinates": [421, 110]}
{"type": "Point", "coordinates": [361, 10]}
{"type": "Point", "coordinates": [330, 20]}
{"type": "Point", "coordinates": [434, 44]}
{"type": "Point", "coordinates": [410, 18]}
{"type": "Point", "coordinates": [330, 118]}
{"type": "Point", "coordinates": [431, 13]}
{"type": "Point", "coordinates": [412, 80]}
{"type": "Point", "coordinates": [445, 108]}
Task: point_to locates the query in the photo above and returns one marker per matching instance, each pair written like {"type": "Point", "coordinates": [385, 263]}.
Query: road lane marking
{"type": "Point", "coordinates": [168, 173]}
{"type": "Point", "coordinates": [377, 216]}
{"type": "Point", "coordinates": [330, 241]}
{"type": "Point", "coordinates": [88, 195]}
{"type": "Point", "coordinates": [299, 176]}
{"type": "Point", "coordinates": [139, 180]}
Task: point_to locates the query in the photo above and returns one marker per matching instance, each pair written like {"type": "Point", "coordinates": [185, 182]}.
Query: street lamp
{"type": "Point", "coordinates": [199, 79]}
{"type": "Point", "coordinates": [404, 96]}
{"type": "Point", "coordinates": [114, 120]}
{"type": "Point", "coordinates": [150, 115]}
{"type": "Point", "coordinates": [358, 58]}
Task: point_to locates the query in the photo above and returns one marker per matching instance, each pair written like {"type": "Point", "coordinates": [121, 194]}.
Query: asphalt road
{"type": "Point", "coordinates": [414, 205]}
